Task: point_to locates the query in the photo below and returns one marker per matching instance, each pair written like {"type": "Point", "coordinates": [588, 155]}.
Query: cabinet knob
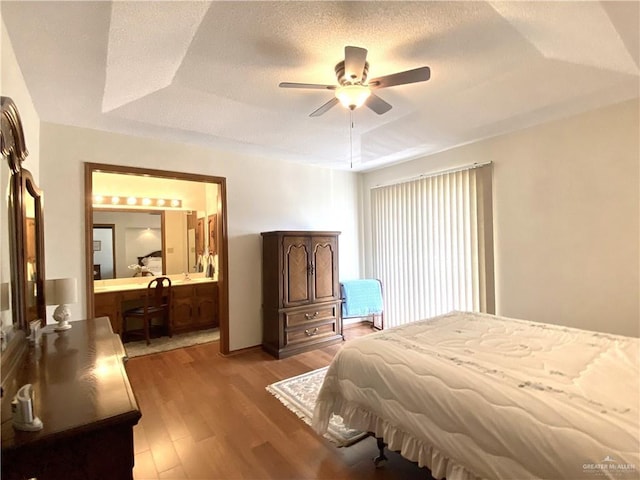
{"type": "Point", "coordinates": [311, 268]}
{"type": "Point", "coordinates": [311, 333]}
{"type": "Point", "coordinates": [310, 316]}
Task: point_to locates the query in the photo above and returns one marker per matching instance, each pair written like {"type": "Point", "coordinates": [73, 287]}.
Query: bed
{"type": "Point", "coordinates": [471, 395]}
{"type": "Point", "coordinates": [151, 264]}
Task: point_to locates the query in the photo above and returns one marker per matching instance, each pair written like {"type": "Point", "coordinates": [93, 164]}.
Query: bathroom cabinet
{"type": "Point", "coordinates": [194, 304]}
{"type": "Point", "coordinates": [194, 307]}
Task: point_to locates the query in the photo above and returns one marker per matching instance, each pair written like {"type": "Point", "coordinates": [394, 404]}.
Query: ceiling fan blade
{"type": "Point", "coordinates": [324, 108]}
{"type": "Point", "coordinates": [377, 104]}
{"type": "Point", "coordinates": [421, 74]}
{"type": "Point", "coordinates": [354, 62]}
{"type": "Point", "coordinates": [314, 86]}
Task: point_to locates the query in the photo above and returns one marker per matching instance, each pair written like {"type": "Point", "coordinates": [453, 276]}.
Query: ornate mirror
{"type": "Point", "coordinates": [32, 261]}
{"type": "Point", "coordinates": [21, 240]}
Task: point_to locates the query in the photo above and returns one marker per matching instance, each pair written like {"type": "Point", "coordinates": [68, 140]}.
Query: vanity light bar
{"type": "Point", "coordinates": [104, 200]}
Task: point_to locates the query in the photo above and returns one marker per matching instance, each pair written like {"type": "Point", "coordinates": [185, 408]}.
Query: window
{"type": "Point", "coordinates": [433, 245]}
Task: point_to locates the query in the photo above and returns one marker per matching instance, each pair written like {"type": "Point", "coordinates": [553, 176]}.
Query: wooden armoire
{"type": "Point", "coordinates": [300, 291]}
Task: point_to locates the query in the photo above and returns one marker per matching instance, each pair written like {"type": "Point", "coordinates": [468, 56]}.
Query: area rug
{"type": "Point", "coordinates": [299, 395]}
{"type": "Point", "coordinates": [163, 344]}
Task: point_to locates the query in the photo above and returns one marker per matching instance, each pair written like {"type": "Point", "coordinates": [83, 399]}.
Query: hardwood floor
{"type": "Point", "coordinates": [209, 417]}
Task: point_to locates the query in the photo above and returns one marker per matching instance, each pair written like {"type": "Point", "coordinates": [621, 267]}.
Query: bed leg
{"type": "Point", "coordinates": [381, 459]}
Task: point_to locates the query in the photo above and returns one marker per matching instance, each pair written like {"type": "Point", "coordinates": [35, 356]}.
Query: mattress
{"type": "Point", "coordinates": [479, 396]}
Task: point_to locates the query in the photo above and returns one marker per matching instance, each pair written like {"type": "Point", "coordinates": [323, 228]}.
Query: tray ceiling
{"type": "Point", "coordinates": [208, 72]}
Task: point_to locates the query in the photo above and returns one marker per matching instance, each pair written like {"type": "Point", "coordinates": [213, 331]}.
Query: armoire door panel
{"type": "Point", "coordinates": [325, 270]}
{"type": "Point", "coordinates": [296, 268]}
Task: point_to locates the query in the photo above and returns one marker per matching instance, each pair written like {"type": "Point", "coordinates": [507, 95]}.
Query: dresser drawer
{"type": "Point", "coordinates": [310, 334]}
{"type": "Point", "coordinates": [310, 315]}
{"type": "Point", "coordinates": [182, 291]}
{"type": "Point", "coordinates": [133, 295]}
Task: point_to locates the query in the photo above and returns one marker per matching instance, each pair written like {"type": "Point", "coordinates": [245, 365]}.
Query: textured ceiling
{"type": "Point", "coordinates": [208, 72]}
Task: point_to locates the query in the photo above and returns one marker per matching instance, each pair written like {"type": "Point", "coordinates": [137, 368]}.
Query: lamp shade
{"type": "Point", "coordinates": [60, 291]}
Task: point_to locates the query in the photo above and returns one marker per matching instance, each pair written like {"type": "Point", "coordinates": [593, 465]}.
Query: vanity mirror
{"type": "Point", "coordinates": [21, 240]}
{"type": "Point", "coordinates": [145, 223]}
{"type": "Point", "coordinates": [160, 236]}
{"type": "Point", "coordinates": [125, 242]}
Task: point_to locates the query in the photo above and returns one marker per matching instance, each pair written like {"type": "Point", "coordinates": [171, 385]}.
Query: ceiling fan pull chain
{"type": "Point", "coordinates": [351, 136]}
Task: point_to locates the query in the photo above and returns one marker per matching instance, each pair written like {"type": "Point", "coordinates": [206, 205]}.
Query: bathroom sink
{"type": "Point", "coordinates": [183, 281]}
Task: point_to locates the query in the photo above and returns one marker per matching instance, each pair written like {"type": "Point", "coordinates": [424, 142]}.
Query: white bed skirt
{"type": "Point", "coordinates": [409, 447]}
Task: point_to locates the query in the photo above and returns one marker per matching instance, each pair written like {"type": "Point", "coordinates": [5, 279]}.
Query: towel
{"type": "Point", "coordinates": [361, 298]}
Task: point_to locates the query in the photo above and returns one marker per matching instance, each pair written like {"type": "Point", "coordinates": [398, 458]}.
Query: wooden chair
{"type": "Point", "coordinates": [157, 304]}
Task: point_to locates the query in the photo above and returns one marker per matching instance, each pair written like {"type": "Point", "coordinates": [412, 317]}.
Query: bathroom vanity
{"type": "Point", "coordinates": [194, 302]}
{"type": "Point", "coordinates": [191, 237]}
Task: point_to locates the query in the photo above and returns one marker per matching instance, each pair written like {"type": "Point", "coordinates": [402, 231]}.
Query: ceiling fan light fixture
{"type": "Point", "coordinates": [352, 96]}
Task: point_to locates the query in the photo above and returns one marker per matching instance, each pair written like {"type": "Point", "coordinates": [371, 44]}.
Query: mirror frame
{"type": "Point", "coordinates": [13, 149]}
{"type": "Point", "coordinates": [223, 250]}
{"type": "Point", "coordinates": [29, 187]}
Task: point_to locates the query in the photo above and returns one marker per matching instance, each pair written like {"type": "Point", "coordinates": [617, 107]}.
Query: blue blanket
{"type": "Point", "coordinates": [361, 298]}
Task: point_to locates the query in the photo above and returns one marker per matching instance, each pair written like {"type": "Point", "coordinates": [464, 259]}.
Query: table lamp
{"type": "Point", "coordinates": [61, 291]}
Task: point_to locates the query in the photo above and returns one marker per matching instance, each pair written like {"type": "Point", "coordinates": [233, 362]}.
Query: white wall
{"type": "Point", "coordinates": [12, 85]}
{"type": "Point", "coordinates": [566, 217]}
{"type": "Point", "coordinates": [176, 251]}
{"type": "Point", "coordinates": [261, 195]}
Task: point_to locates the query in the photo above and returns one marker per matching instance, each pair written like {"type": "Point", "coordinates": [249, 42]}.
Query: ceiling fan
{"type": "Point", "coordinates": [353, 91]}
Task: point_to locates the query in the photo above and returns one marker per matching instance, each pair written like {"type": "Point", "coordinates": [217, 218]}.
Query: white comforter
{"type": "Point", "coordinates": [480, 396]}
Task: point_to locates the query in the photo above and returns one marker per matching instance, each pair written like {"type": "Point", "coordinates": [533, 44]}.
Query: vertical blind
{"type": "Point", "coordinates": [433, 245]}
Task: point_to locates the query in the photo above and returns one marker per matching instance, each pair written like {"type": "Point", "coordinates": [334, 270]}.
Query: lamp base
{"type": "Point", "coordinates": [32, 426]}
{"type": "Point", "coordinates": [61, 315]}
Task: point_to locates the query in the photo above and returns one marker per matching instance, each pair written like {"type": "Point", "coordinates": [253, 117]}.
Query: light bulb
{"type": "Point", "coordinates": [352, 96]}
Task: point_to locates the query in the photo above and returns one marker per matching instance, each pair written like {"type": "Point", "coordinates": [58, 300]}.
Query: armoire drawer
{"type": "Point", "coordinates": [310, 334]}
{"type": "Point", "coordinates": [311, 314]}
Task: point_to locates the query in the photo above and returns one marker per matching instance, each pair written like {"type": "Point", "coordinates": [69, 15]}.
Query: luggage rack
{"type": "Point", "coordinates": [363, 299]}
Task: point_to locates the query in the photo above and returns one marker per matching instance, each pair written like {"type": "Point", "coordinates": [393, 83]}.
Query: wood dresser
{"type": "Point", "coordinates": [300, 291]}
{"type": "Point", "coordinates": [85, 401]}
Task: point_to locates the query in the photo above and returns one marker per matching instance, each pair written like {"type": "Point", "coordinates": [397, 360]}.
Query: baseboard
{"type": "Point", "coordinates": [240, 351]}
{"type": "Point", "coordinates": [357, 323]}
